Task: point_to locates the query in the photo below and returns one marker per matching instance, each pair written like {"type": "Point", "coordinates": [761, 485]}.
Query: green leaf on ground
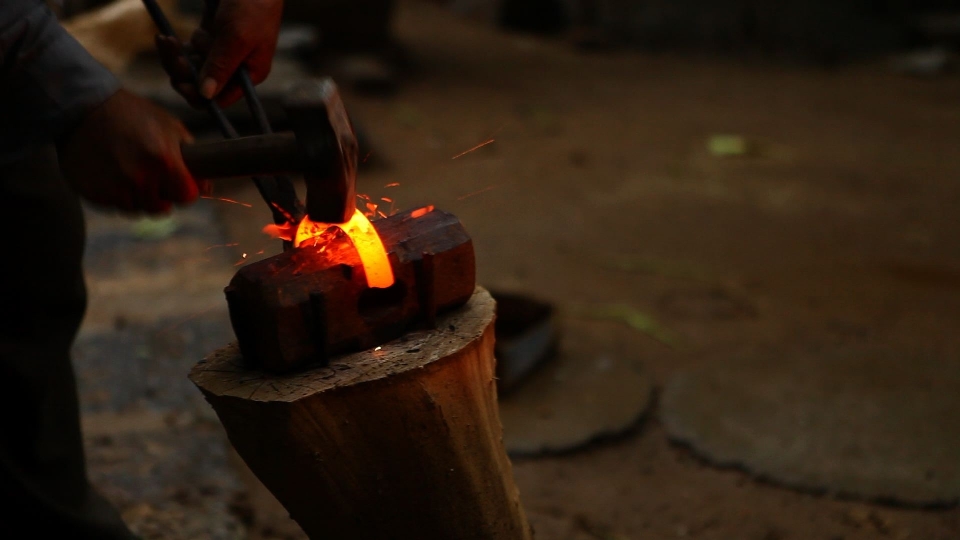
{"type": "Point", "coordinates": [630, 316]}
{"type": "Point", "coordinates": [155, 228]}
{"type": "Point", "coordinates": [727, 145]}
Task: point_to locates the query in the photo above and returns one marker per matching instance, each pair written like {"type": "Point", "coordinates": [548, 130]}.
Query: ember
{"type": "Point", "coordinates": [419, 212]}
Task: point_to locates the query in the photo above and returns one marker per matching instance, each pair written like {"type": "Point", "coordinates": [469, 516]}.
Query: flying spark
{"type": "Point", "coordinates": [224, 199]}
{"type": "Point", "coordinates": [475, 148]}
{"type": "Point", "coordinates": [478, 192]}
{"type": "Point", "coordinates": [234, 244]}
{"type": "Point", "coordinates": [420, 212]}
{"type": "Point", "coordinates": [283, 212]}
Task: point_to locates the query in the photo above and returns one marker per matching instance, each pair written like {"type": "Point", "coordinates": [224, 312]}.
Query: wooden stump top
{"type": "Point", "coordinates": [223, 372]}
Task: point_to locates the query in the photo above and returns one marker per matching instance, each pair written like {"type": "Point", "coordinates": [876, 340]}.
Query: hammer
{"type": "Point", "coordinates": [321, 146]}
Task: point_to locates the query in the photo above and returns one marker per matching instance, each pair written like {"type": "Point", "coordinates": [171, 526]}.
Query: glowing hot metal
{"type": "Point", "coordinates": [362, 234]}
{"type": "Point", "coordinates": [365, 239]}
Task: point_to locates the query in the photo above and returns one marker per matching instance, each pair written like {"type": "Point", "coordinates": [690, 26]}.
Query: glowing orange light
{"type": "Point", "coordinates": [420, 212]}
{"type": "Point", "coordinates": [365, 239]}
{"type": "Point", "coordinates": [285, 232]}
{"type": "Point", "coordinates": [373, 255]}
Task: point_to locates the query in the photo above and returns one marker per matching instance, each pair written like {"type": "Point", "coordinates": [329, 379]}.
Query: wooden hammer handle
{"type": "Point", "coordinates": [275, 153]}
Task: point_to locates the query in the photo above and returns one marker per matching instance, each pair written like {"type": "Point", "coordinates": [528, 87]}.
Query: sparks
{"type": "Point", "coordinates": [392, 184]}
{"type": "Point", "coordinates": [234, 244]}
{"type": "Point", "coordinates": [475, 148]}
{"type": "Point", "coordinates": [287, 231]}
{"type": "Point", "coordinates": [286, 215]}
{"type": "Point", "coordinates": [389, 200]}
{"type": "Point", "coordinates": [226, 200]}
{"type": "Point", "coordinates": [484, 190]}
{"type": "Point", "coordinates": [420, 212]}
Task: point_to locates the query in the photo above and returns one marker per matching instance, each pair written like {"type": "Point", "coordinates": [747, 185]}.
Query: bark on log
{"type": "Point", "coordinates": [401, 442]}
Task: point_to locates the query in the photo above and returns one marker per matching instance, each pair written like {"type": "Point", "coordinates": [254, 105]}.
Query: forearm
{"type": "Point", "coordinates": [48, 81]}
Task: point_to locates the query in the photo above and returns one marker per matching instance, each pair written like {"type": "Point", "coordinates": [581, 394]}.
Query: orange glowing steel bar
{"type": "Point", "coordinates": [373, 255]}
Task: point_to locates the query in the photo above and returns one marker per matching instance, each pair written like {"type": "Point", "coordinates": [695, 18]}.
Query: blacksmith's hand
{"type": "Point", "coordinates": [125, 155]}
{"type": "Point", "coordinates": [232, 33]}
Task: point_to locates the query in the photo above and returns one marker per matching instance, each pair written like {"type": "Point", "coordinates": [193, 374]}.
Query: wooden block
{"type": "Point", "coordinates": [302, 306]}
{"type": "Point", "coordinates": [401, 442]}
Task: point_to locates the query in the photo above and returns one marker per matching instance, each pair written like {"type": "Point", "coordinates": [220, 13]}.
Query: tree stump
{"type": "Point", "coordinates": [401, 441]}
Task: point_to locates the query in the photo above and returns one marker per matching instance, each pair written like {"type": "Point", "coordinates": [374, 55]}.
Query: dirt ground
{"type": "Point", "coordinates": [839, 226]}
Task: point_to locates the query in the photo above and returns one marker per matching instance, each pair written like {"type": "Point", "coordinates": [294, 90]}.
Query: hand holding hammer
{"type": "Point", "coordinates": [322, 145]}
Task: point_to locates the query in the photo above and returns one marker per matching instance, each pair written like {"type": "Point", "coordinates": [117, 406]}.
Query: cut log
{"type": "Point", "coordinates": [400, 441]}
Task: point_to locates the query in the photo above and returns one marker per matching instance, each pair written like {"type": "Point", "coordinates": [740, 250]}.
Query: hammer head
{"type": "Point", "coordinates": [321, 124]}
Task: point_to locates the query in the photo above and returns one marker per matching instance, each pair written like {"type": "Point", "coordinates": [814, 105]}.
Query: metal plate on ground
{"type": "Point", "coordinates": [869, 423]}
{"type": "Point", "coordinates": [588, 392]}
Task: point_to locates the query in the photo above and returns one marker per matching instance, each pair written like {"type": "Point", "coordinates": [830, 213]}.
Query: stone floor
{"type": "Point", "coordinates": [833, 227]}
{"type": "Point", "coordinates": [154, 447]}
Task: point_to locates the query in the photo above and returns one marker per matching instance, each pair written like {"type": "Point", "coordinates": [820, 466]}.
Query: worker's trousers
{"type": "Point", "coordinates": [43, 478]}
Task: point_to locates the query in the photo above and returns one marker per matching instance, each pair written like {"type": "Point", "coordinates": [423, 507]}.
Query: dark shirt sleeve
{"type": "Point", "coordinates": [48, 81]}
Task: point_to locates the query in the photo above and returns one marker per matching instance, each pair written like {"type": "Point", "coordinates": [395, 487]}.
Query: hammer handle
{"type": "Point", "coordinates": [275, 153]}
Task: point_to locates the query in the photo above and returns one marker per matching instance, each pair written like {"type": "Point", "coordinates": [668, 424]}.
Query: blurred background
{"type": "Point", "coordinates": [739, 219]}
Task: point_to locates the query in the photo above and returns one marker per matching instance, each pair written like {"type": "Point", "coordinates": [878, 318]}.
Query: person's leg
{"type": "Point", "coordinates": [43, 480]}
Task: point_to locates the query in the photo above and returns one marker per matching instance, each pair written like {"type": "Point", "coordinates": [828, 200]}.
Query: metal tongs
{"type": "Point", "coordinates": [278, 192]}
